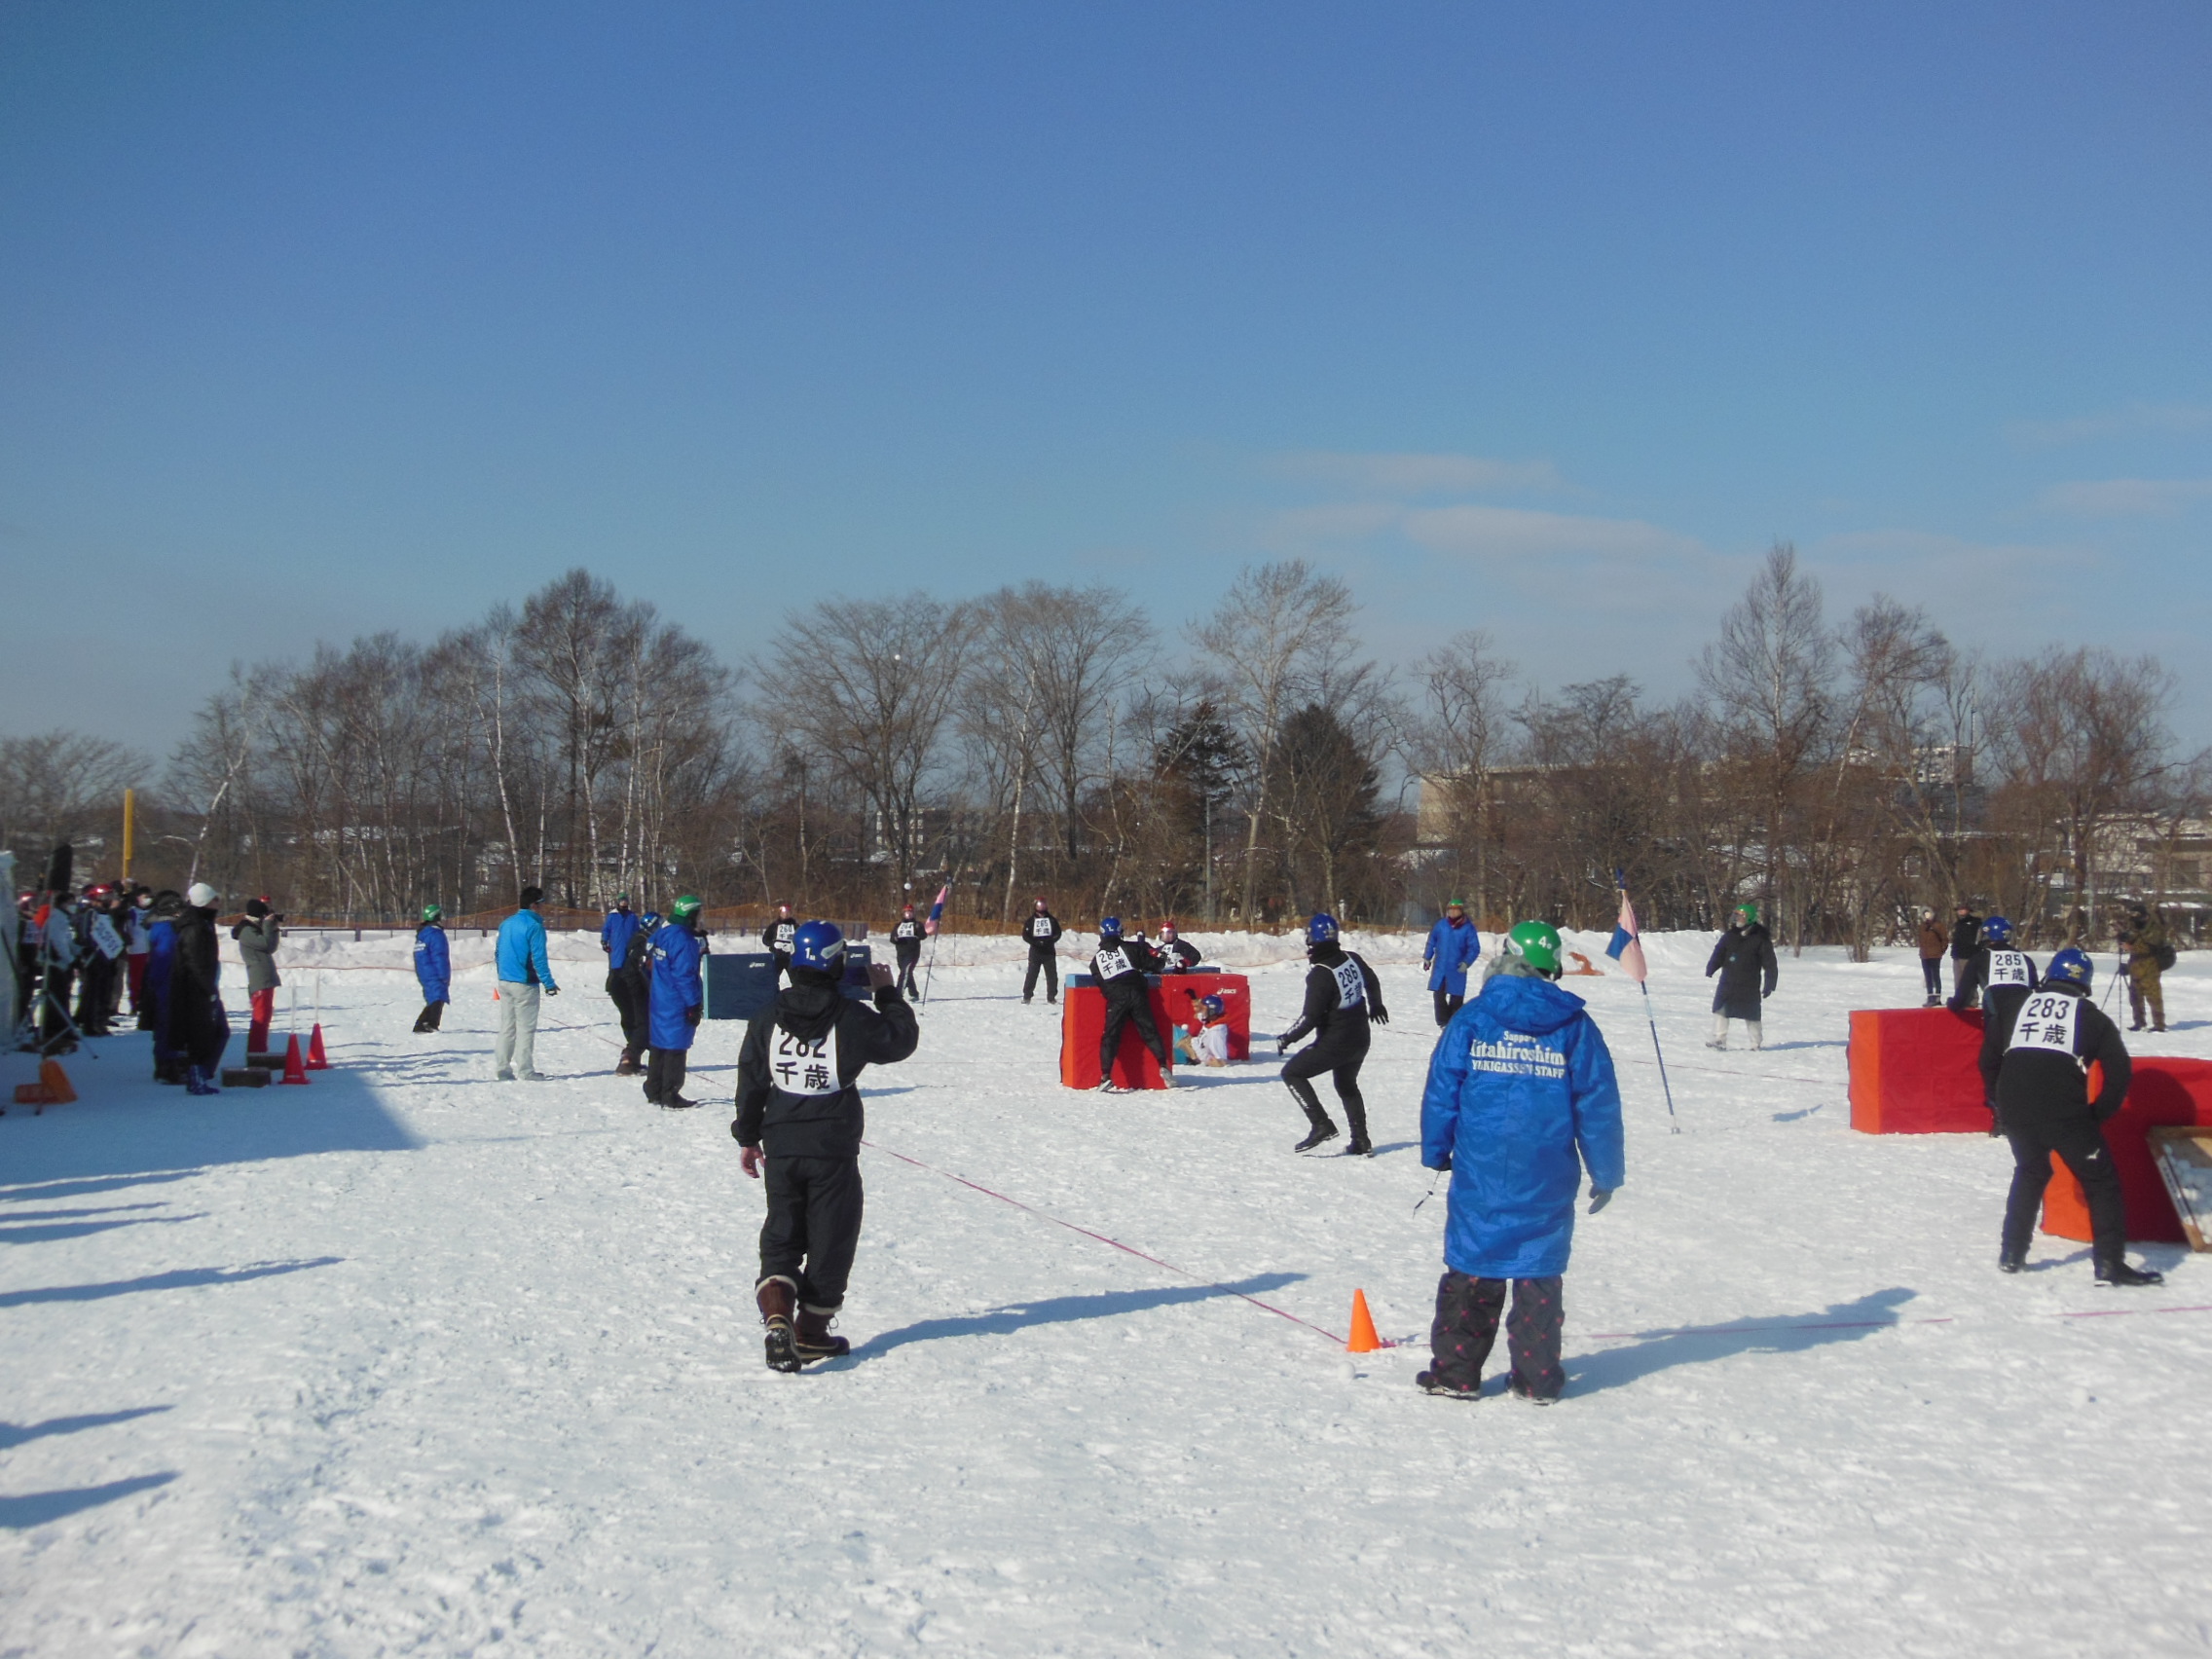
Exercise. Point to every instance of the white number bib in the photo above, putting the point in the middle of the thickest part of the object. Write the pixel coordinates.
(106, 939)
(802, 1067)
(2009, 968)
(1113, 964)
(1041, 927)
(2048, 1020)
(1352, 989)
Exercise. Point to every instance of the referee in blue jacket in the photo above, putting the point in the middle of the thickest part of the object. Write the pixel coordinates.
(1521, 1099)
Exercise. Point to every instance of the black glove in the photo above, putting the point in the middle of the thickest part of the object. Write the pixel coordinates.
(1600, 1197)
(691, 1015)
(1375, 1016)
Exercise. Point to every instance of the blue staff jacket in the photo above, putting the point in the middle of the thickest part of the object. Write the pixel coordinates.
(614, 936)
(676, 986)
(433, 963)
(1449, 952)
(1520, 1085)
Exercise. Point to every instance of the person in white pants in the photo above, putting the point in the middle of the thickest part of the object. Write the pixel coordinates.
(524, 970)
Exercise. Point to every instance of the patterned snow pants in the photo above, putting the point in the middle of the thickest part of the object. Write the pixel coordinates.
(1466, 1329)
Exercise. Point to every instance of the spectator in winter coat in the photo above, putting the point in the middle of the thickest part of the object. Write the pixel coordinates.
(97, 937)
(1743, 958)
(137, 926)
(433, 969)
(524, 970)
(1120, 965)
(1043, 932)
(57, 930)
(1453, 946)
(256, 933)
(199, 1030)
(2148, 956)
(1521, 1099)
(1934, 941)
(1342, 997)
(160, 972)
(907, 944)
(777, 937)
(678, 1001)
(2043, 1100)
(799, 1119)
(1965, 939)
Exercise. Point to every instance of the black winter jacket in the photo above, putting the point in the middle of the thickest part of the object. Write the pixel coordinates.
(1326, 1011)
(1992, 969)
(906, 939)
(2040, 1059)
(1042, 943)
(1119, 984)
(792, 1100)
(1966, 937)
(197, 1027)
(1743, 958)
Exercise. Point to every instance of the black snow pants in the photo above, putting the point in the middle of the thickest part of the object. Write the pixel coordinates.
(432, 1014)
(629, 999)
(1447, 1004)
(813, 1227)
(1341, 1054)
(1122, 1009)
(1048, 961)
(906, 961)
(665, 1073)
(1466, 1327)
(2078, 1139)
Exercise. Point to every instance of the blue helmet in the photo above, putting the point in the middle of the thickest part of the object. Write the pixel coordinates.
(818, 946)
(1996, 930)
(1322, 929)
(649, 923)
(1109, 927)
(1214, 1005)
(2069, 967)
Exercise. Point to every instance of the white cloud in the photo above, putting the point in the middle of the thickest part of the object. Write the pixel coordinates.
(1420, 474)
(2116, 422)
(2117, 497)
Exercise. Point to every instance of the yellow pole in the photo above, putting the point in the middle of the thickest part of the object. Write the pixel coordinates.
(129, 824)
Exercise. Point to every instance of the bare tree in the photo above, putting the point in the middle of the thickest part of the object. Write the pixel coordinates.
(1274, 638)
(1456, 732)
(61, 786)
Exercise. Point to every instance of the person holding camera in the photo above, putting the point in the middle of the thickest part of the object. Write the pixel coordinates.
(256, 933)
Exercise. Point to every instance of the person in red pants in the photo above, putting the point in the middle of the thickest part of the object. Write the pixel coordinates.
(256, 934)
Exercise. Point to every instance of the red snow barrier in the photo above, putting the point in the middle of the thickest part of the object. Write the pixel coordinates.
(1916, 1070)
(2160, 1091)
(1083, 1025)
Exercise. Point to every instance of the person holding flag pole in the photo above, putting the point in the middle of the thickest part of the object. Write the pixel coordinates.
(930, 928)
(1626, 947)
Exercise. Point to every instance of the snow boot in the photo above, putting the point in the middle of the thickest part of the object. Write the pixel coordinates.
(1324, 1130)
(2010, 1261)
(812, 1339)
(627, 1065)
(2118, 1273)
(677, 1103)
(779, 1301)
(1428, 1383)
(1520, 1391)
(197, 1082)
(1359, 1146)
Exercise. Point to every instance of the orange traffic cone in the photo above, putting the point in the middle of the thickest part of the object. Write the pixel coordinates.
(1363, 1337)
(295, 1069)
(56, 1081)
(318, 1060)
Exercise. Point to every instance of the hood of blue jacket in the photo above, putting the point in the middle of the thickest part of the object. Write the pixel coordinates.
(1533, 1006)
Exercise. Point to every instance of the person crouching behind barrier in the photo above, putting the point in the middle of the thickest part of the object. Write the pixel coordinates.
(799, 1119)
(1521, 1098)
(1204, 1042)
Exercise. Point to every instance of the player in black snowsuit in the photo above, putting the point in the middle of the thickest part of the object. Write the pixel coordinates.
(635, 1004)
(1177, 954)
(906, 936)
(1119, 968)
(1342, 997)
(799, 1119)
(776, 938)
(2038, 1064)
(1042, 932)
(2002, 977)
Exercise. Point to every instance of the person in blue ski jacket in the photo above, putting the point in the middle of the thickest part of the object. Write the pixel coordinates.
(624, 989)
(433, 968)
(614, 933)
(678, 998)
(525, 971)
(1521, 1098)
(161, 965)
(1453, 946)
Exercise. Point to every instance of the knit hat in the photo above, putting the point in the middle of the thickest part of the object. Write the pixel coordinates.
(200, 896)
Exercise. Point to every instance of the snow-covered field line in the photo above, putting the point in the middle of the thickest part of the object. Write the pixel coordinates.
(410, 1362)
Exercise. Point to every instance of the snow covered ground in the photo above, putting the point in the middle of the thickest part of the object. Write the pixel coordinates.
(412, 1362)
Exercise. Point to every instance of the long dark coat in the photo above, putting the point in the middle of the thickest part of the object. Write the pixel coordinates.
(1743, 958)
(198, 1027)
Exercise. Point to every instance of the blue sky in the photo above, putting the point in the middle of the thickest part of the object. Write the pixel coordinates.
(319, 319)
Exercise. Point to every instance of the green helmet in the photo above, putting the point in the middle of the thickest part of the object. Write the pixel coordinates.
(1454, 904)
(1537, 944)
(1749, 909)
(684, 908)
(432, 912)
